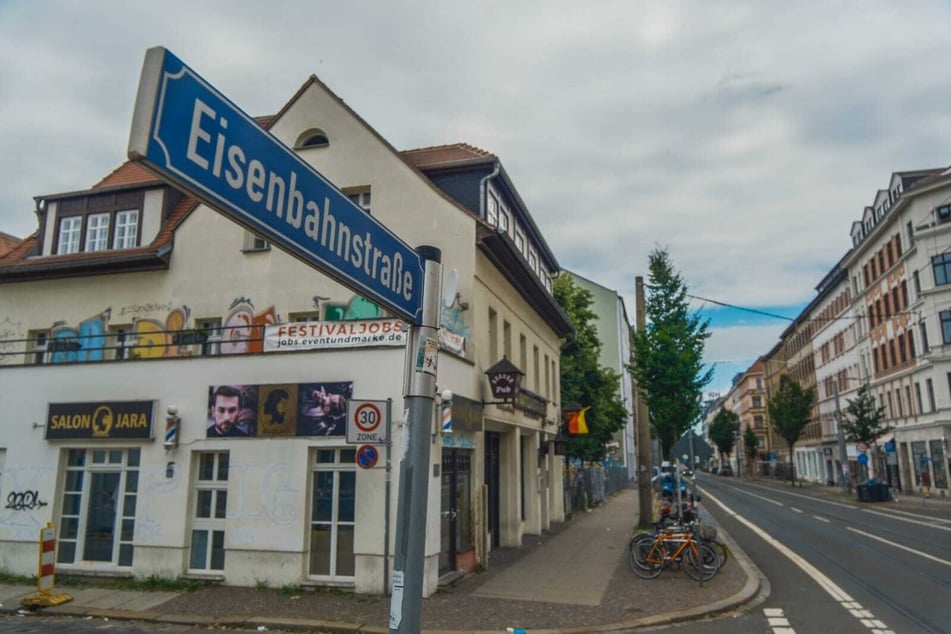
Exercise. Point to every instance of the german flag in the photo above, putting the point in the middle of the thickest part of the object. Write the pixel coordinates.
(577, 423)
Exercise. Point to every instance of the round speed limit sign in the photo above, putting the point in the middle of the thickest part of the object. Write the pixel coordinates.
(366, 422)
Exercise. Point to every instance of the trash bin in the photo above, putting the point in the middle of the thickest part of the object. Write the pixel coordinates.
(862, 491)
(883, 493)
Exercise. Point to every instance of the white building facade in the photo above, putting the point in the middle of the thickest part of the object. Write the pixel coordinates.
(133, 303)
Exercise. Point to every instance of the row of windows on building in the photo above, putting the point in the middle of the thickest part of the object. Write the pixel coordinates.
(498, 215)
(541, 371)
(99, 510)
(98, 232)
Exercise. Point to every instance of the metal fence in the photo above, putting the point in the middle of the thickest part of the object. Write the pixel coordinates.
(590, 485)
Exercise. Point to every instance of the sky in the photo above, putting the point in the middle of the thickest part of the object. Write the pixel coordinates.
(743, 137)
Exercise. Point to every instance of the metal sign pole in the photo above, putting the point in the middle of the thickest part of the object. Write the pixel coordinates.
(420, 390)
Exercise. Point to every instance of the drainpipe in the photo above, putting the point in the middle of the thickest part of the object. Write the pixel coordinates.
(484, 189)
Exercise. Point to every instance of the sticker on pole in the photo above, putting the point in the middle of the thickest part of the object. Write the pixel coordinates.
(367, 456)
(366, 422)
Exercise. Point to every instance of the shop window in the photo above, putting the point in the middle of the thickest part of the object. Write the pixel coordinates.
(333, 504)
(937, 460)
(97, 519)
(210, 511)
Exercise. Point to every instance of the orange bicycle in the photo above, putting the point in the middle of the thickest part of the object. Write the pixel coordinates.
(650, 556)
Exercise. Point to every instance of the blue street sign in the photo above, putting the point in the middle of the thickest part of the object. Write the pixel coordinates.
(187, 132)
(862, 459)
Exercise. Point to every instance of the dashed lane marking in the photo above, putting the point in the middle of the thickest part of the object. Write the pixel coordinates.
(903, 547)
(777, 621)
(795, 509)
(822, 519)
(830, 587)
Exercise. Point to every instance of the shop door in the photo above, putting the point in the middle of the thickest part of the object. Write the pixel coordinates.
(455, 510)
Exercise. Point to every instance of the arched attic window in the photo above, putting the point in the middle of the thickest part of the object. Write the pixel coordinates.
(314, 137)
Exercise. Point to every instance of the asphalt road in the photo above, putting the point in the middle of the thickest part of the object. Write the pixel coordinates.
(834, 567)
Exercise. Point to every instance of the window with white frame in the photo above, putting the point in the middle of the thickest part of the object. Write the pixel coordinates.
(121, 340)
(209, 336)
(520, 241)
(333, 506)
(359, 196)
(36, 348)
(533, 260)
(97, 519)
(492, 211)
(97, 232)
(505, 219)
(70, 232)
(255, 242)
(127, 229)
(210, 512)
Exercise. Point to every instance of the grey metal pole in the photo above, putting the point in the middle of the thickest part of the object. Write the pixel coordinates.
(840, 436)
(420, 393)
(644, 495)
(388, 488)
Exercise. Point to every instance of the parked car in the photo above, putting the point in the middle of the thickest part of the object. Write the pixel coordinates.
(726, 470)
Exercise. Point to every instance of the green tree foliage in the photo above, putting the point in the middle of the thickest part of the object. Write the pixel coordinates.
(789, 410)
(583, 380)
(751, 442)
(722, 429)
(668, 353)
(864, 421)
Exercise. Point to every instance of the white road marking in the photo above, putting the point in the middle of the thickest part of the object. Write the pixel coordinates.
(917, 516)
(806, 497)
(831, 588)
(776, 620)
(890, 543)
(759, 497)
(822, 519)
(930, 523)
(795, 509)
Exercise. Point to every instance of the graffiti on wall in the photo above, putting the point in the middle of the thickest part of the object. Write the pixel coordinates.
(243, 330)
(86, 342)
(24, 500)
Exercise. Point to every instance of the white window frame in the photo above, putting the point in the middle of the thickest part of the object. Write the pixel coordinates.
(211, 495)
(505, 219)
(70, 234)
(74, 515)
(341, 464)
(360, 196)
(520, 242)
(254, 242)
(97, 232)
(126, 232)
(492, 211)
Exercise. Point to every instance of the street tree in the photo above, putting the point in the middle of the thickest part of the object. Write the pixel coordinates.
(668, 353)
(789, 410)
(751, 442)
(864, 421)
(583, 380)
(723, 430)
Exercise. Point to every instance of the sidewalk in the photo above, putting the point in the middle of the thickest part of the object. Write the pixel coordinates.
(574, 578)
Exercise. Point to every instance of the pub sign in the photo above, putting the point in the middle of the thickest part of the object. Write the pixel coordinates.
(100, 420)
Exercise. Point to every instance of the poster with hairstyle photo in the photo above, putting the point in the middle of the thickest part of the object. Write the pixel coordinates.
(322, 408)
(232, 411)
(278, 415)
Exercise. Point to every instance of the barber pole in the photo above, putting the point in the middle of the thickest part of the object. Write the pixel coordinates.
(45, 578)
(446, 412)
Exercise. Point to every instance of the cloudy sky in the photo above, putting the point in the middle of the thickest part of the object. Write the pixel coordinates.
(744, 137)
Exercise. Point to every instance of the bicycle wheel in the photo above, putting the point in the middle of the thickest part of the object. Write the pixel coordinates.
(722, 551)
(646, 559)
(701, 562)
(635, 557)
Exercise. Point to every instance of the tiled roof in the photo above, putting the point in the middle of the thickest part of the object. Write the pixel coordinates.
(7, 243)
(443, 154)
(129, 173)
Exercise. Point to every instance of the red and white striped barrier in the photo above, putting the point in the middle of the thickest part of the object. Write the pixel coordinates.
(45, 578)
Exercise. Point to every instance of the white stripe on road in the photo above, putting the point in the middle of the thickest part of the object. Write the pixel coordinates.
(917, 516)
(795, 509)
(831, 588)
(777, 621)
(822, 519)
(758, 497)
(930, 523)
(911, 550)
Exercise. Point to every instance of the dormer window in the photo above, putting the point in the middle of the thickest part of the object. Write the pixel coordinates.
(69, 233)
(98, 232)
(313, 138)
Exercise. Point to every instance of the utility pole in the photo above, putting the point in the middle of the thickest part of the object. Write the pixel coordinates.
(645, 499)
(840, 436)
(419, 387)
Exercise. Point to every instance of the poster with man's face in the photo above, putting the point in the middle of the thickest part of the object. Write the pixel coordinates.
(278, 410)
(232, 411)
